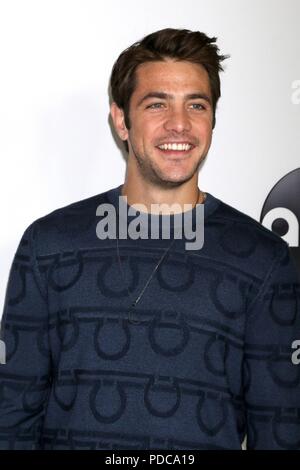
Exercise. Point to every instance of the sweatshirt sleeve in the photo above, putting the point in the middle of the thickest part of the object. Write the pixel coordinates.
(25, 377)
(271, 377)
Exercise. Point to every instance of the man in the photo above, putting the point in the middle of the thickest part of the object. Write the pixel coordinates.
(136, 342)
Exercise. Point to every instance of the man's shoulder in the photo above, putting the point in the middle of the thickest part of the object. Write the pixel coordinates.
(74, 210)
(243, 239)
(235, 220)
(66, 227)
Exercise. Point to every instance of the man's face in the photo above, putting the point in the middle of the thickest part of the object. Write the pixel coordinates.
(171, 121)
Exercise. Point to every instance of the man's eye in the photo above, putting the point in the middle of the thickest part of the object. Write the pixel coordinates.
(197, 106)
(155, 105)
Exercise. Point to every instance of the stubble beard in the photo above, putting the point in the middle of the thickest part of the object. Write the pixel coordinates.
(150, 173)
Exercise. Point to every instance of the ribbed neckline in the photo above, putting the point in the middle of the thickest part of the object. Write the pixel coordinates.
(210, 205)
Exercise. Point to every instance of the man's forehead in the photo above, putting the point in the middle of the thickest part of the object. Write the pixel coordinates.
(170, 76)
(170, 65)
(178, 73)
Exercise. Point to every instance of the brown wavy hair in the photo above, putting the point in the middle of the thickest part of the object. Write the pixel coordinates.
(178, 44)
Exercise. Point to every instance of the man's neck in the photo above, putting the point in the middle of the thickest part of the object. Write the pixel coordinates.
(148, 195)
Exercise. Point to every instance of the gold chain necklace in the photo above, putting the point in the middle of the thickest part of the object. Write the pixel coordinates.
(138, 298)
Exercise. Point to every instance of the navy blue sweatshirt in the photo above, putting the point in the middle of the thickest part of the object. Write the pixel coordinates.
(206, 361)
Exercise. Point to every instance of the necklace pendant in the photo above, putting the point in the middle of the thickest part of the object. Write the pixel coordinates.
(132, 320)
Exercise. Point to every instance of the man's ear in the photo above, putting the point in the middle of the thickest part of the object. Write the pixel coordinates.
(117, 115)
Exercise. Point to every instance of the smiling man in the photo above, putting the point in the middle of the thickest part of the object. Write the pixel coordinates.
(134, 342)
(171, 113)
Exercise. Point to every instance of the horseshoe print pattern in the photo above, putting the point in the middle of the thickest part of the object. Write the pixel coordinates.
(208, 361)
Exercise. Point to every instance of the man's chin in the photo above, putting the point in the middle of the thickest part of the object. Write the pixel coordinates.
(180, 175)
(173, 180)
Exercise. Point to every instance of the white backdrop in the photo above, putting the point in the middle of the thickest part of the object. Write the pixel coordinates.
(56, 145)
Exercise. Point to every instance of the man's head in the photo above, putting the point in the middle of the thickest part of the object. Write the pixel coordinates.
(165, 89)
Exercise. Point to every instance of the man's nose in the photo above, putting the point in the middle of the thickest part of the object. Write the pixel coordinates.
(177, 120)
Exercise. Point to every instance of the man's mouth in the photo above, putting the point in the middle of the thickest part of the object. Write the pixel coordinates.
(172, 147)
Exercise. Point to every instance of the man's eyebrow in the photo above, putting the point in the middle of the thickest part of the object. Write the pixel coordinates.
(163, 96)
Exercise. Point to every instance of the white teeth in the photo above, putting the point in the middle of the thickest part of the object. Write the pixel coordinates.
(174, 146)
